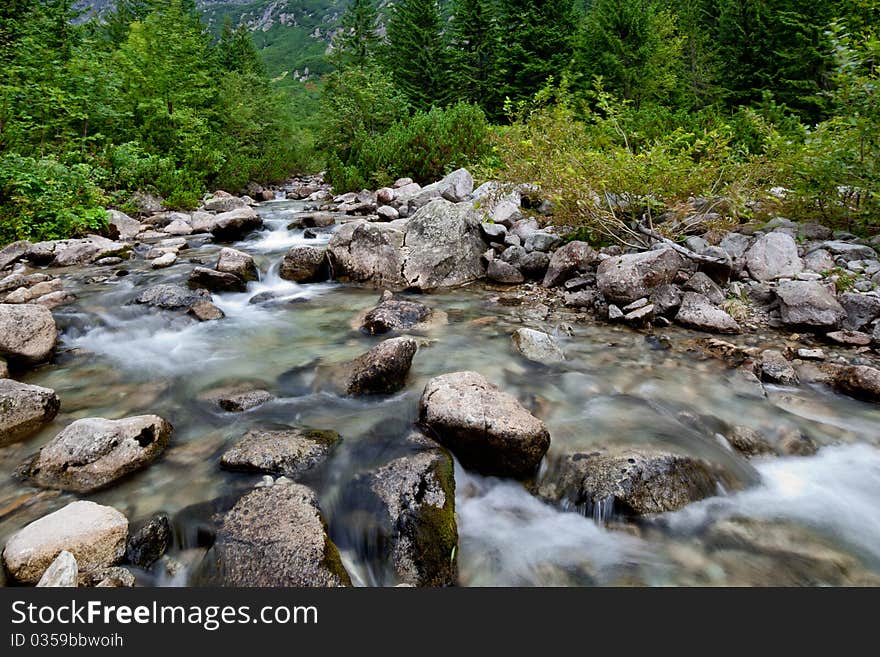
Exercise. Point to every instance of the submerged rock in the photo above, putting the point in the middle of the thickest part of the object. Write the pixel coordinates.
(775, 368)
(288, 452)
(24, 410)
(92, 453)
(95, 535)
(629, 481)
(488, 430)
(235, 225)
(171, 297)
(537, 347)
(27, 333)
(277, 537)
(205, 311)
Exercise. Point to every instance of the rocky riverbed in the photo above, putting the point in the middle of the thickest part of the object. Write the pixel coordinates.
(431, 386)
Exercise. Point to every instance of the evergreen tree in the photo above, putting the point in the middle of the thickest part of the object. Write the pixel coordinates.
(236, 50)
(538, 38)
(634, 47)
(473, 43)
(415, 53)
(358, 38)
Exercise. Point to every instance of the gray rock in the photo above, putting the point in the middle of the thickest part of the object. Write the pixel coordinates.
(276, 537)
(736, 245)
(500, 271)
(666, 300)
(244, 400)
(417, 501)
(697, 312)
(171, 297)
(380, 371)
(749, 442)
(580, 299)
(95, 535)
(456, 188)
(850, 338)
(164, 261)
(535, 264)
(305, 264)
(394, 314)
(178, 227)
(27, 333)
(639, 315)
(387, 213)
(514, 255)
(860, 381)
(775, 368)
(629, 481)
(524, 228)
(149, 542)
(443, 246)
(369, 254)
(814, 232)
(488, 430)
(12, 253)
(537, 347)
(704, 285)
(205, 311)
(614, 313)
(540, 241)
(24, 410)
(288, 452)
(4, 369)
(93, 453)
(773, 256)
(494, 232)
(215, 281)
(809, 304)
(235, 225)
(221, 201)
(88, 250)
(624, 279)
(861, 309)
(237, 263)
(62, 573)
(569, 261)
(850, 251)
(819, 261)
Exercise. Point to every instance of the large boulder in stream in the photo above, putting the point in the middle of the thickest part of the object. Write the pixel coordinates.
(237, 263)
(171, 297)
(628, 481)
(380, 371)
(440, 246)
(305, 264)
(284, 451)
(276, 537)
(396, 314)
(27, 333)
(234, 225)
(413, 498)
(215, 281)
(488, 430)
(24, 410)
(860, 381)
(86, 251)
(697, 312)
(93, 453)
(95, 535)
(628, 278)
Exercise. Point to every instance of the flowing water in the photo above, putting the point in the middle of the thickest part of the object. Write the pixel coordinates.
(816, 518)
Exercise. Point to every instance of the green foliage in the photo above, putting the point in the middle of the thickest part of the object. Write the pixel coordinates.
(424, 147)
(43, 199)
(358, 38)
(473, 45)
(415, 53)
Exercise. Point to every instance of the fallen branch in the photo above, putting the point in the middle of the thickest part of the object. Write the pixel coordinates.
(644, 230)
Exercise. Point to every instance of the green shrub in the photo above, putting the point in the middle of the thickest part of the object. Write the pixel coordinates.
(44, 199)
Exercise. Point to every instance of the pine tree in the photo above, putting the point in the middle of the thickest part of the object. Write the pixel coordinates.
(634, 47)
(473, 44)
(415, 53)
(537, 43)
(237, 52)
(358, 38)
